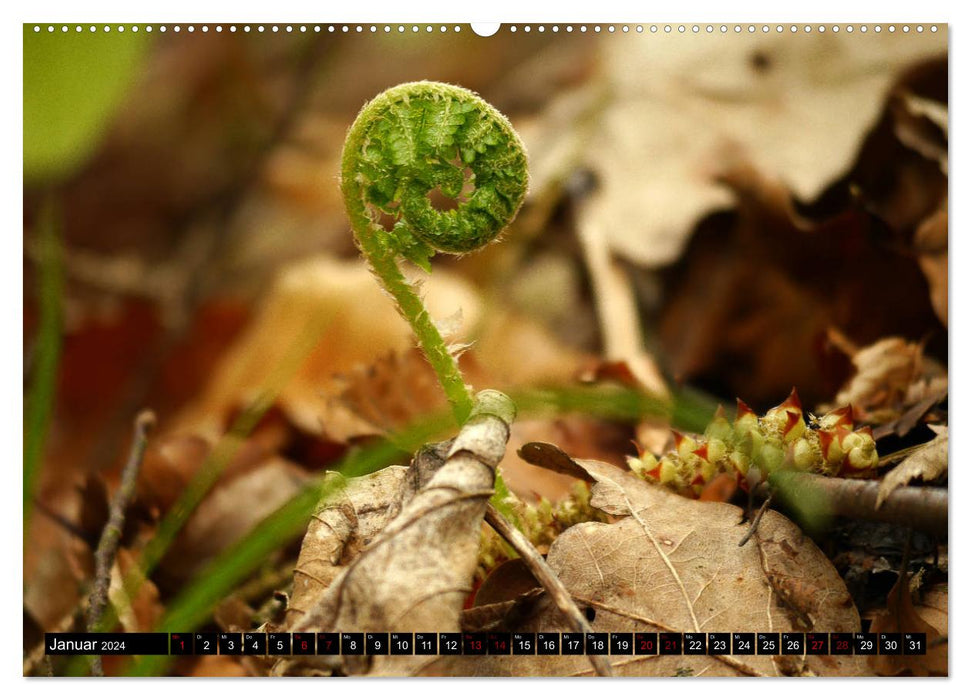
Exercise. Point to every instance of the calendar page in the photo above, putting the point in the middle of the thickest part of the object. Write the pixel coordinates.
(512, 350)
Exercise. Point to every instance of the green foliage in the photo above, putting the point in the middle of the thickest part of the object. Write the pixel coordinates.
(73, 82)
(408, 142)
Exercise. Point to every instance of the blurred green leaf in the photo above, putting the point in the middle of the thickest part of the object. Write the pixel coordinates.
(73, 82)
(805, 502)
(39, 401)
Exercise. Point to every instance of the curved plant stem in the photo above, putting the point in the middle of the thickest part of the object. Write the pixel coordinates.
(385, 266)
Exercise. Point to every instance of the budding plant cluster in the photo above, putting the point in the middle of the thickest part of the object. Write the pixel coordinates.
(751, 449)
(541, 522)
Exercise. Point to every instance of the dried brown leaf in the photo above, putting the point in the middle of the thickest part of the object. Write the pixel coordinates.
(416, 573)
(305, 334)
(353, 516)
(901, 616)
(891, 376)
(654, 137)
(674, 564)
(927, 463)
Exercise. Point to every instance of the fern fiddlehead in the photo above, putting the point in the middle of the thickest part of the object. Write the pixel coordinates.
(405, 144)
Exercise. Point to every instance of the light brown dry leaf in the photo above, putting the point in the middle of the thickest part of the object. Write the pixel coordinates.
(172, 460)
(797, 107)
(901, 616)
(674, 564)
(510, 352)
(576, 435)
(416, 574)
(927, 463)
(617, 312)
(342, 526)
(55, 584)
(891, 375)
(921, 124)
(932, 607)
(393, 392)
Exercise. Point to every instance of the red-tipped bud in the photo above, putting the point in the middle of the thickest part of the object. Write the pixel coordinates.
(719, 428)
(785, 420)
(792, 403)
(702, 452)
(837, 417)
(745, 420)
(684, 445)
(802, 455)
(861, 451)
(742, 409)
(678, 439)
(829, 445)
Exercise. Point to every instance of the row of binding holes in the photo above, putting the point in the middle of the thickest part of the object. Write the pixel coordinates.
(289, 28)
(723, 28)
(414, 28)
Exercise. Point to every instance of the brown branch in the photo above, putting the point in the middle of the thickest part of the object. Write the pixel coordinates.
(104, 555)
(548, 579)
(922, 508)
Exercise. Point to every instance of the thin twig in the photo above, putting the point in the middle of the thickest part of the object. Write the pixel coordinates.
(548, 579)
(35, 658)
(104, 555)
(756, 520)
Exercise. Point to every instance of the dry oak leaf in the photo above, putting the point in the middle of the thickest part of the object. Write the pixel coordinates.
(796, 107)
(892, 374)
(927, 463)
(901, 616)
(674, 564)
(353, 513)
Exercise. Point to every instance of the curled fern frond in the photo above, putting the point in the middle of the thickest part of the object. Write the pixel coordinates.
(419, 137)
(408, 145)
